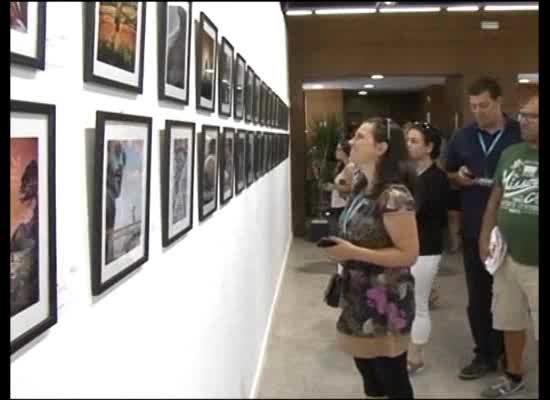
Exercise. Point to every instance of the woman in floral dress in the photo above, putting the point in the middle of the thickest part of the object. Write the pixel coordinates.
(378, 244)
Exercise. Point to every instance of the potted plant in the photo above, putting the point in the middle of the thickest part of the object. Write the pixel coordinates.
(323, 136)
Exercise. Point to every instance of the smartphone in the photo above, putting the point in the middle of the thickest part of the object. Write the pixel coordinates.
(326, 242)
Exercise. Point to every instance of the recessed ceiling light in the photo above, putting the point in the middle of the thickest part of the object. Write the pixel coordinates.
(524, 81)
(299, 12)
(409, 9)
(368, 86)
(462, 8)
(525, 7)
(333, 11)
(362, 92)
(377, 76)
(317, 86)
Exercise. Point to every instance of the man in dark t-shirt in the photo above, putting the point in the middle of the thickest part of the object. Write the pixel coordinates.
(472, 158)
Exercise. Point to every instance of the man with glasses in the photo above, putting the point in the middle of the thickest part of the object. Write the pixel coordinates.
(514, 208)
(472, 158)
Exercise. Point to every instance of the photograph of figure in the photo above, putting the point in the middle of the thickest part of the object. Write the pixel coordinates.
(250, 158)
(176, 46)
(18, 16)
(117, 34)
(240, 156)
(239, 87)
(123, 205)
(180, 197)
(249, 95)
(24, 233)
(226, 78)
(226, 163)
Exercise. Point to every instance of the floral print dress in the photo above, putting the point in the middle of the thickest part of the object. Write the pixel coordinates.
(377, 302)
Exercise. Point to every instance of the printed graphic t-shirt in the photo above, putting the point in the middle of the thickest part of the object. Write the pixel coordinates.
(518, 216)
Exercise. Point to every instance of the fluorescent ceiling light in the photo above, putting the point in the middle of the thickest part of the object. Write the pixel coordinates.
(524, 81)
(333, 11)
(410, 9)
(377, 77)
(526, 7)
(317, 86)
(299, 12)
(362, 93)
(368, 86)
(462, 8)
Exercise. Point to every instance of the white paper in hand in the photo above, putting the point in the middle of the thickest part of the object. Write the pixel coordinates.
(497, 251)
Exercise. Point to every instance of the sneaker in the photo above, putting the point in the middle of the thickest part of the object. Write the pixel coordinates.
(504, 387)
(415, 368)
(476, 369)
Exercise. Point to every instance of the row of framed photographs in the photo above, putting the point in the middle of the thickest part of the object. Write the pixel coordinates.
(114, 53)
(229, 159)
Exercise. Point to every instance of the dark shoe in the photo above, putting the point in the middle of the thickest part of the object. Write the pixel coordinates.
(504, 387)
(476, 369)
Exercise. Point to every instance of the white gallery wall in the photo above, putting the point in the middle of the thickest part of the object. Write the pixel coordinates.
(193, 320)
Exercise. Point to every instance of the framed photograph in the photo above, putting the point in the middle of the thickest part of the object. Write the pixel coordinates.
(265, 159)
(257, 98)
(33, 282)
(177, 180)
(268, 108)
(114, 44)
(225, 79)
(249, 158)
(208, 170)
(122, 181)
(257, 155)
(271, 108)
(239, 88)
(227, 154)
(240, 157)
(207, 50)
(174, 35)
(263, 113)
(249, 95)
(28, 33)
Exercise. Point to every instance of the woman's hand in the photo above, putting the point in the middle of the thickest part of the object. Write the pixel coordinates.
(342, 251)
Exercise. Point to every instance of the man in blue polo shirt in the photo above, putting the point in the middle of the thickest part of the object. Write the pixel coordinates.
(472, 158)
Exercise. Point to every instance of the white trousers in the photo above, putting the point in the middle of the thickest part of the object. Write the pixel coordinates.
(424, 272)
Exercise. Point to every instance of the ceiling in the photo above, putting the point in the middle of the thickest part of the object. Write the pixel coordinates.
(393, 83)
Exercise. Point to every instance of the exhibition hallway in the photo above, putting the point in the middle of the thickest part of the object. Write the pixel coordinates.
(302, 360)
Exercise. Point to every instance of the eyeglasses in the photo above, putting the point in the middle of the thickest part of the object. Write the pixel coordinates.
(527, 116)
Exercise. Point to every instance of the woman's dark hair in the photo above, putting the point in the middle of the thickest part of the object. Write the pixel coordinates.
(346, 148)
(430, 134)
(394, 165)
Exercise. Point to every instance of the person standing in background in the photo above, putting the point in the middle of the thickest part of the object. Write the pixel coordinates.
(472, 157)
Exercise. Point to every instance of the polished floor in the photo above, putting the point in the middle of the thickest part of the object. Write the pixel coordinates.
(302, 360)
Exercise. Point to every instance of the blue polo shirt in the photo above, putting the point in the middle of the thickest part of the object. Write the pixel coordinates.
(465, 149)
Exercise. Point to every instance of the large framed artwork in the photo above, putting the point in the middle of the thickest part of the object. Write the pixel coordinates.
(208, 170)
(249, 158)
(227, 150)
(240, 158)
(177, 180)
(225, 78)
(174, 34)
(33, 283)
(114, 44)
(239, 88)
(249, 95)
(121, 204)
(257, 98)
(28, 33)
(207, 50)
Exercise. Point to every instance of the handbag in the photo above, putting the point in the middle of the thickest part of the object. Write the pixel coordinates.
(333, 290)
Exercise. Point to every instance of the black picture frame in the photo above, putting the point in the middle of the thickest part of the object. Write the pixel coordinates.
(240, 161)
(27, 267)
(226, 78)
(173, 63)
(206, 63)
(118, 250)
(177, 180)
(110, 68)
(249, 158)
(263, 105)
(265, 159)
(239, 87)
(257, 155)
(20, 27)
(249, 94)
(227, 171)
(257, 98)
(208, 184)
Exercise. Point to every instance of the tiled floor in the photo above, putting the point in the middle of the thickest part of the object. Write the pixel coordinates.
(302, 360)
